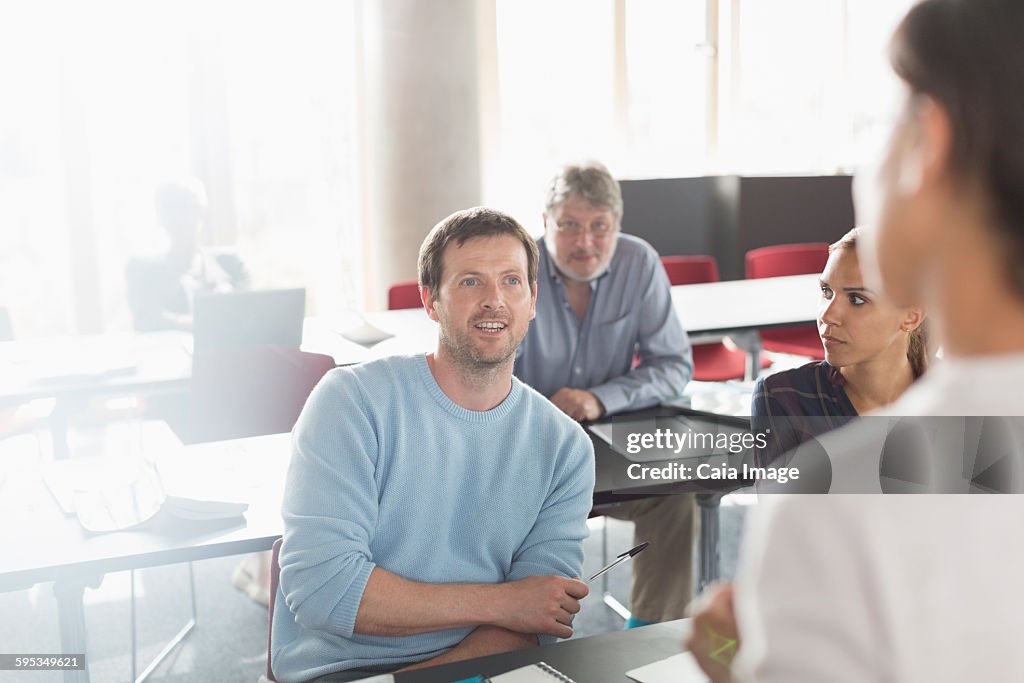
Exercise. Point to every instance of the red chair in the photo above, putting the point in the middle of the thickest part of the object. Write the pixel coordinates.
(714, 361)
(275, 578)
(405, 294)
(790, 259)
(239, 392)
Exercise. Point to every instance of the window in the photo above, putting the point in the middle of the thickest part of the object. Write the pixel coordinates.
(811, 90)
(667, 69)
(35, 282)
(800, 86)
(559, 100)
(291, 118)
(784, 112)
(255, 99)
(261, 101)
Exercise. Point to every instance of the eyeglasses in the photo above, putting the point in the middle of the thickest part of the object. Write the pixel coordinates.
(574, 229)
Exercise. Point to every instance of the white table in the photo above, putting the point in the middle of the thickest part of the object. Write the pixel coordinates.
(745, 306)
(75, 369)
(47, 546)
(116, 363)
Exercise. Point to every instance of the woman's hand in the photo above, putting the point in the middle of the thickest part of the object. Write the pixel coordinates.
(714, 640)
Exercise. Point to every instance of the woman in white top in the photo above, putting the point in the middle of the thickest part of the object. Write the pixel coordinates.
(917, 587)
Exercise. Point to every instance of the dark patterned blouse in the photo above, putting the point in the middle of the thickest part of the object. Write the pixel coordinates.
(796, 405)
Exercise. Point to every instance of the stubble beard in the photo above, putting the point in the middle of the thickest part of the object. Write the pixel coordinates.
(465, 356)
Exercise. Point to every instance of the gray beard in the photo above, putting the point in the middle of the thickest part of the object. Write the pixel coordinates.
(578, 278)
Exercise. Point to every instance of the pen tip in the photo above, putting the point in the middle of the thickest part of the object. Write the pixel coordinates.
(637, 549)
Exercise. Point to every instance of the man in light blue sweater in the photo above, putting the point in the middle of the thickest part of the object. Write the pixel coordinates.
(435, 506)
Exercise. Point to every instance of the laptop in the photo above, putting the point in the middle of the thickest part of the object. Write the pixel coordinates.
(268, 317)
(695, 435)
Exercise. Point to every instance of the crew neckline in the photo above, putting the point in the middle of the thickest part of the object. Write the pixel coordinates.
(477, 416)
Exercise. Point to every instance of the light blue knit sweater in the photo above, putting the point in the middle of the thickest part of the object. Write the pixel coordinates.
(387, 470)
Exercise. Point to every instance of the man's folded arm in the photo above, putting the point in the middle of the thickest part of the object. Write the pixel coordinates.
(484, 640)
(666, 358)
(394, 606)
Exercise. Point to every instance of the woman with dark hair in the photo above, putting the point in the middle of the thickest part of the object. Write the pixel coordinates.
(874, 350)
(915, 587)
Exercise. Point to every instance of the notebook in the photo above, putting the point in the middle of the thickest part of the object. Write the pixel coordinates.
(267, 317)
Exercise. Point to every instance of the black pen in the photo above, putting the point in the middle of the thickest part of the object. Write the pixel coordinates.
(619, 560)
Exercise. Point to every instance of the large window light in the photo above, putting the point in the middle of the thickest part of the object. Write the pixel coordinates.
(257, 100)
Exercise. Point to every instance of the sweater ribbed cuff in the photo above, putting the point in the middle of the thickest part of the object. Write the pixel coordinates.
(343, 618)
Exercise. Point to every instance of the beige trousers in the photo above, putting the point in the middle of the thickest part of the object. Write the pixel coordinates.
(663, 573)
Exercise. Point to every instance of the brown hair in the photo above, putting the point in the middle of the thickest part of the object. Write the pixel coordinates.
(918, 352)
(968, 55)
(465, 225)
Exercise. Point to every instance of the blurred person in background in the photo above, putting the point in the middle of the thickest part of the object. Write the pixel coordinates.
(161, 289)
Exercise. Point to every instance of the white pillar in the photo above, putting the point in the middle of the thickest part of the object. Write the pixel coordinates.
(421, 129)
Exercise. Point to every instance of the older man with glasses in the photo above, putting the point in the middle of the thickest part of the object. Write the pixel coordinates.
(604, 300)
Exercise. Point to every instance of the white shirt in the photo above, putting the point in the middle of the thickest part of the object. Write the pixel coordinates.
(890, 588)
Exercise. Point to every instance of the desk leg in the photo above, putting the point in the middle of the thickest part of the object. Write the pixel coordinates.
(71, 614)
(754, 358)
(709, 534)
(59, 429)
(750, 342)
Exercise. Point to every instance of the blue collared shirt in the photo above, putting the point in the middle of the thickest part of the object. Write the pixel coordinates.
(630, 311)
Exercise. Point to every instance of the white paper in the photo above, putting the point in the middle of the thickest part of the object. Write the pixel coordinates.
(680, 668)
(366, 334)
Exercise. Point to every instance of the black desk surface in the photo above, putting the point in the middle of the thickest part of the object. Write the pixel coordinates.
(596, 659)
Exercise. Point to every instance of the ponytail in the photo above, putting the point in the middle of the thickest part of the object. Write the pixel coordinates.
(918, 352)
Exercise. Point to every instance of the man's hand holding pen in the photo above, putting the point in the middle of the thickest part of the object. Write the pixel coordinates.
(543, 605)
(546, 605)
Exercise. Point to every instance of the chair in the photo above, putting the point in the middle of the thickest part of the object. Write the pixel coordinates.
(790, 259)
(713, 361)
(249, 391)
(241, 392)
(235, 393)
(405, 294)
(275, 578)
